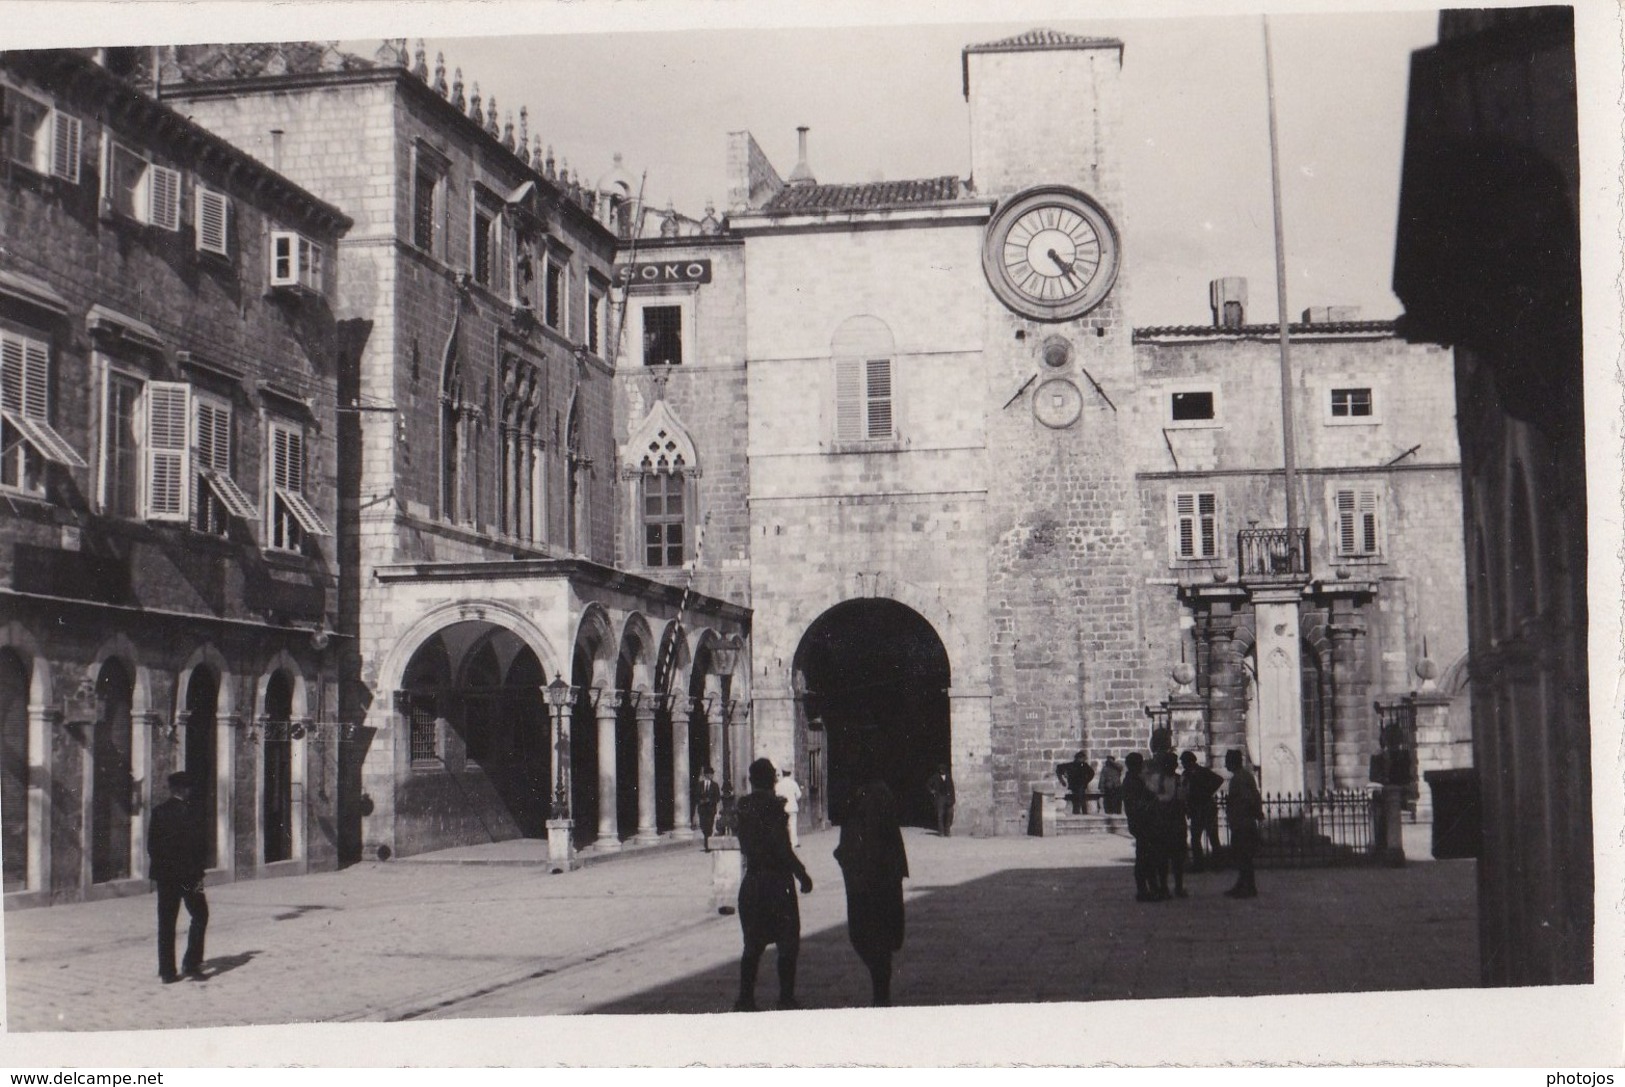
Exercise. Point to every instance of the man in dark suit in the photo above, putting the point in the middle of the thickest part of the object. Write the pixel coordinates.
(706, 798)
(177, 852)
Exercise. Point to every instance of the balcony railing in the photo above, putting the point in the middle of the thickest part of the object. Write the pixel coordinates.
(1272, 552)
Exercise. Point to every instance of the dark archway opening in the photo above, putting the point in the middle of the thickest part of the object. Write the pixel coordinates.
(112, 782)
(626, 756)
(876, 677)
(276, 812)
(583, 751)
(202, 699)
(14, 679)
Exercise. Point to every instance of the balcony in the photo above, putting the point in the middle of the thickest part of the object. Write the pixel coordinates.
(1264, 553)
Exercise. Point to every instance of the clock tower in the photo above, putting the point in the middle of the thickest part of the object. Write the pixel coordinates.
(1069, 658)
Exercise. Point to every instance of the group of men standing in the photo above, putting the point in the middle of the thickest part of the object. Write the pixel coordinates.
(1165, 798)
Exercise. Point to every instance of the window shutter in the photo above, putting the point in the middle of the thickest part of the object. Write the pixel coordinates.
(1184, 527)
(12, 374)
(168, 451)
(287, 460)
(212, 210)
(213, 436)
(1207, 508)
(1368, 522)
(878, 401)
(1345, 523)
(848, 401)
(164, 197)
(67, 137)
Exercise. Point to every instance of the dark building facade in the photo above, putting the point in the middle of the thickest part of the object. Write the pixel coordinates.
(168, 492)
(1488, 259)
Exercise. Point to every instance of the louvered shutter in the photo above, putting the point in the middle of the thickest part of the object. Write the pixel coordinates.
(1206, 510)
(164, 197)
(67, 137)
(12, 373)
(168, 452)
(848, 401)
(877, 407)
(1346, 506)
(212, 209)
(287, 459)
(213, 436)
(1368, 522)
(1185, 518)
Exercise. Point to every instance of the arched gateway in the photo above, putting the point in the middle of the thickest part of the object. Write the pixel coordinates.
(873, 676)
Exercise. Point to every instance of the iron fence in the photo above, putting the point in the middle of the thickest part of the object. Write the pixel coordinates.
(1313, 830)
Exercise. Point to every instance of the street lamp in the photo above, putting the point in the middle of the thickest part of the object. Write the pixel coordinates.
(723, 659)
(559, 695)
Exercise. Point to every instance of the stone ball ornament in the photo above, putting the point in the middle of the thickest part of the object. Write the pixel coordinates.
(1051, 253)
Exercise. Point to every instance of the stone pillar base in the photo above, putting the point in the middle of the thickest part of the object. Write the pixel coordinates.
(646, 836)
(1390, 828)
(561, 849)
(1041, 817)
(606, 845)
(727, 868)
(683, 834)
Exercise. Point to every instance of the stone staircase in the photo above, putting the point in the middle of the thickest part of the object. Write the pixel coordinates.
(1050, 816)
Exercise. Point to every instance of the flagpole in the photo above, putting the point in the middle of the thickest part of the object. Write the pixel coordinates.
(1287, 442)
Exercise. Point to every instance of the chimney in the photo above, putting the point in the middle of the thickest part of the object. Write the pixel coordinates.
(802, 174)
(1228, 297)
(1330, 315)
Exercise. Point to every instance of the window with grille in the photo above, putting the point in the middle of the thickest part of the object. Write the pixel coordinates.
(1358, 526)
(553, 305)
(425, 208)
(662, 335)
(292, 518)
(142, 190)
(863, 400)
(27, 439)
(1351, 404)
(423, 729)
(1196, 525)
(41, 137)
(488, 260)
(663, 519)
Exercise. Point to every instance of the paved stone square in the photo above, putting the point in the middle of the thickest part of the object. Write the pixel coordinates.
(1000, 920)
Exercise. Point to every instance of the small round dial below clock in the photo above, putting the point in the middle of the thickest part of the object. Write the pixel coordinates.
(1057, 403)
(1051, 253)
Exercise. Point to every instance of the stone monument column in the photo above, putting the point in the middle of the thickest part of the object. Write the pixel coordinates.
(1280, 688)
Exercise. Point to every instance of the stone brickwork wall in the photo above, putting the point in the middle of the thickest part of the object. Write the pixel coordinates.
(81, 587)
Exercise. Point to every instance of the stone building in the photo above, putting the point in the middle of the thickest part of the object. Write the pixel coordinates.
(479, 455)
(1488, 260)
(986, 516)
(168, 471)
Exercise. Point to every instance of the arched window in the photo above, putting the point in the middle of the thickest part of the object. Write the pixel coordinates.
(661, 457)
(520, 511)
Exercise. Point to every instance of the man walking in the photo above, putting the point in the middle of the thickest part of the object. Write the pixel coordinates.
(1244, 807)
(706, 798)
(176, 852)
(768, 911)
(790, 789)
(941, 788)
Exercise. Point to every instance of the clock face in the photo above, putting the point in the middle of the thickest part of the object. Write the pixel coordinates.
(1051, 254)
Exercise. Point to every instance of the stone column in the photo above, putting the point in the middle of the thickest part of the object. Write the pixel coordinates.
(1353, 720)
(1280, 688)
(647, 828)
(1227, 717)
(609, 837)
(1434, 750)
(680, 821)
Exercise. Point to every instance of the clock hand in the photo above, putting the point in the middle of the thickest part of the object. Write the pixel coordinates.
(1064, 266)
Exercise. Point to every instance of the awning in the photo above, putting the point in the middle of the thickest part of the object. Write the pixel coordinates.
(231, 495)
(38, 433)
(303, 512)
(35, 292)
(102, 319)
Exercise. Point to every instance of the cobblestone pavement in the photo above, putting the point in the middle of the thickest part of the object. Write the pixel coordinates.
(989, 920)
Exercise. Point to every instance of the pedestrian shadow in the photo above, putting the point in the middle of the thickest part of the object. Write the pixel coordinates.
(1056, 934)
(226, 963)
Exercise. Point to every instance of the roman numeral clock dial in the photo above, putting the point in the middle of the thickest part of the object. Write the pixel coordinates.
(1051, 253)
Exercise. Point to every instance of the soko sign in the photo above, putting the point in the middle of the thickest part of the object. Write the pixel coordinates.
(663, 272)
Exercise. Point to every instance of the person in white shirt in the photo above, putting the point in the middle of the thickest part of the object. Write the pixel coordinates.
(791, 792)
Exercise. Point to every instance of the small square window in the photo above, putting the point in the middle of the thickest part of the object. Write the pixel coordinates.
(1351, 403)
(1191, 407)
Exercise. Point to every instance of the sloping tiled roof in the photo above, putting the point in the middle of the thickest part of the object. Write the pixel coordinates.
(865, 197)
(1339, 328)
(1035, 39)
(243, 60)
(1041, 38)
